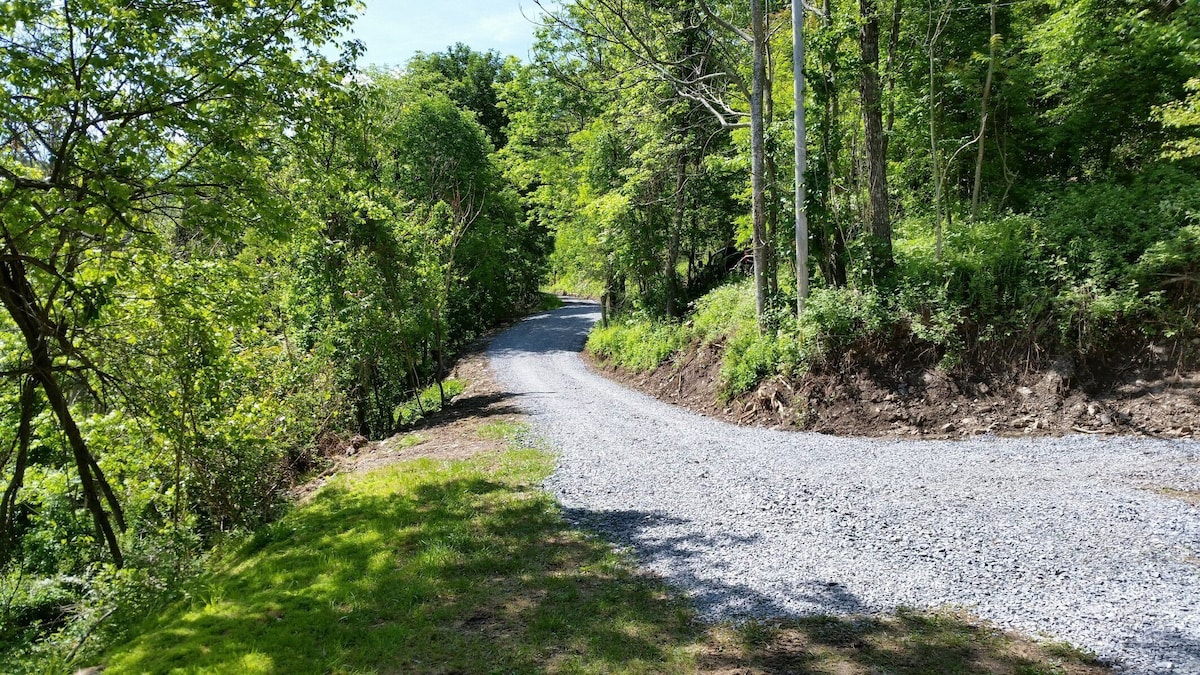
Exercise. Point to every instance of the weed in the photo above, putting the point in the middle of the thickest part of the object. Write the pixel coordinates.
(428, 401)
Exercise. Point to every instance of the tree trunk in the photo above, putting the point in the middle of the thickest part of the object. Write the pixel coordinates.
(24, 438)
(18, 297)
(673, 237)
(893, 50)
(773, 254)
(801, 143)
(833, 232)
(772, 174)
(876, 152)
(758, 160)
(983, 115)
(934, 155)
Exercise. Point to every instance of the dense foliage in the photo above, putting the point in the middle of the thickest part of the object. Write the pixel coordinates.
(220, 252)
(1040, 178)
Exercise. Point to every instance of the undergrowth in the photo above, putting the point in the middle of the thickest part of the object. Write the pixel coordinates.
(428, 401)
(1011, 284)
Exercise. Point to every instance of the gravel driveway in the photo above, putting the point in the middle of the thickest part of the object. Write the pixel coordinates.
(1071, 538)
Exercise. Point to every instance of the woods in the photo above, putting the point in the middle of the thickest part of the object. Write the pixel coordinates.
(226, 252)
(984, 180)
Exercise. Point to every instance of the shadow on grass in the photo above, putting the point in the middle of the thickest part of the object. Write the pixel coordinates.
(904, 642)
(466, 567)
(416, 569)
(478, 406)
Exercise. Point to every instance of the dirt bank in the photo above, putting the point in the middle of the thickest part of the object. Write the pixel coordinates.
(896, 394)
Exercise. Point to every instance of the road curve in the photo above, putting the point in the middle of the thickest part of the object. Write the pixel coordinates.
(1073, 537)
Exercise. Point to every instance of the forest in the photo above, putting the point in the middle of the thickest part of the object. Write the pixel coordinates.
(226, 254)
(987, 186)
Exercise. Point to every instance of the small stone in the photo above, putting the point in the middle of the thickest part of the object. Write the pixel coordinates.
(983, 388)
(948, 427)
(1025, 391)
(1105, 418)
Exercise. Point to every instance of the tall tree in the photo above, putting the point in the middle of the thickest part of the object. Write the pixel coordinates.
(122, 116)
(875, 144)
(472, 80)
(801, 149)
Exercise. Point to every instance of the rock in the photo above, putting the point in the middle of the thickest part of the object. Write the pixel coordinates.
(948, 427)
(1025, 392)
(983, 388)
(1105, 418)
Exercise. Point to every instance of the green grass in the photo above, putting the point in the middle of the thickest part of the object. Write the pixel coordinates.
(637, 344)
(423, 567)
(406, 441)
(503, 430)
(548, 301)
(428, 401)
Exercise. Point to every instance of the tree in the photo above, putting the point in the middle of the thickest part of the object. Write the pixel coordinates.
(707, 76)
(120, 117)
(801, 148)
(876, 146)
(472, 80)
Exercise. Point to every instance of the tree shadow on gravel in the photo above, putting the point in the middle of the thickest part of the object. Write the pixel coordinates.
(640, 532)
(1185, 650)
(848, 639)
(563, 330)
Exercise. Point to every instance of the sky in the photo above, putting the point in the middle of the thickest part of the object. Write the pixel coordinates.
(393, 30)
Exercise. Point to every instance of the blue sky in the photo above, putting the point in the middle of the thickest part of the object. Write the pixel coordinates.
(393, 30)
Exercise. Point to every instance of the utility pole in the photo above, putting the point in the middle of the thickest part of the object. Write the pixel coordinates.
(801, 156)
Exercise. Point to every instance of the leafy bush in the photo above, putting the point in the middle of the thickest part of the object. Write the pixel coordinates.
(637, 343)
(428, 401)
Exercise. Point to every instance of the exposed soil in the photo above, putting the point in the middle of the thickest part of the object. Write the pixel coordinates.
(890, 393)
(453, 432)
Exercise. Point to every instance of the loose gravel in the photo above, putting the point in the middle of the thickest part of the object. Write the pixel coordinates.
(1071, 538)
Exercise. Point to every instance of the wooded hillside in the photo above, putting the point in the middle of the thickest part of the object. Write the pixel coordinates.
(222, 256)
(986, 183)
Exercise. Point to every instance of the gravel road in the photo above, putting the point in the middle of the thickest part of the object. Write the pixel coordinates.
(1072, 538)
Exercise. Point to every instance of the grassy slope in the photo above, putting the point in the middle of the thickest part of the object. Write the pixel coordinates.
(466, 566)
(425, 566)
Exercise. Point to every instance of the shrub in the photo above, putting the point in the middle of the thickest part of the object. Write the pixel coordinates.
(637, 343)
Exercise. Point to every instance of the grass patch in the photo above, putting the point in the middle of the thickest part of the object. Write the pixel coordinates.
(503, 430)
(548, 301)
(1190, 496)
(405, 442)
(422, 567)
(428, 401)
(637, 344)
